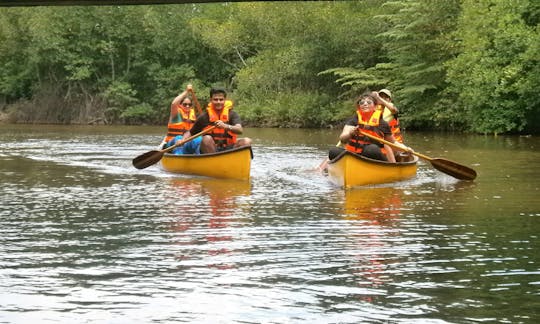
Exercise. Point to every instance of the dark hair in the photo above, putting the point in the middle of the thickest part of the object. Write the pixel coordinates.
(215, 90)
(366, 94)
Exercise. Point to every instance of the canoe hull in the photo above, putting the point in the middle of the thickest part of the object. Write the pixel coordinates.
(351, 170)
(230, 164)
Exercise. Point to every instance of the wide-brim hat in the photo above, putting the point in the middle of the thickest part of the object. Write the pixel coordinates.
(386, 92)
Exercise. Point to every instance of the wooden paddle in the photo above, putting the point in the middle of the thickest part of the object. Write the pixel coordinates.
(152, 157)
(452, 168)
(197, 105)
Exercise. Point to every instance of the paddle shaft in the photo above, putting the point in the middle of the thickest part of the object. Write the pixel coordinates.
(449, 167)
(189, 139)
(152, 157)
(382, 140)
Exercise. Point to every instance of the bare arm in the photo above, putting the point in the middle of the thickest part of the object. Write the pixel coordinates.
(389, 152)
(401, 146)
(236, 128)
(175, 104)
(347, 133)
(386, 103)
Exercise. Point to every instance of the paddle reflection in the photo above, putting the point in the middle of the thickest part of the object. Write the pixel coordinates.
(214, 208)
(378, 210)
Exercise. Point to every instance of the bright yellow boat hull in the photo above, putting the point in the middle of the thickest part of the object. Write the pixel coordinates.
(230, 164)
(351, 170)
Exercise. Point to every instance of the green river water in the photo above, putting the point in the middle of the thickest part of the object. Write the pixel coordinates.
(85, 237)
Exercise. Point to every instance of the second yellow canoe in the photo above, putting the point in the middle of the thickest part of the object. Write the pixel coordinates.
(351, 170)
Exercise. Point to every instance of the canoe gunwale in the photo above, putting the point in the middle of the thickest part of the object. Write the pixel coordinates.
(229, 164)
(369, 160)
(349, 170)
(199, 156)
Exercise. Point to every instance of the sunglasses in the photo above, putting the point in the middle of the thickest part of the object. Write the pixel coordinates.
(364, 101)
(186, 104)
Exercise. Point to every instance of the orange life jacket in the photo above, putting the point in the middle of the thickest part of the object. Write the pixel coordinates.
(179, 128)
(393, 121)
(396, 131)
(222, 137)
(358, 141)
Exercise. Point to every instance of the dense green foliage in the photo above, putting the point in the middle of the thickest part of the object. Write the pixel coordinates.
(467, 65)
(496, 72)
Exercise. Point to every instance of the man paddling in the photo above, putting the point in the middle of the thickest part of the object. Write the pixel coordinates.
(219, 113)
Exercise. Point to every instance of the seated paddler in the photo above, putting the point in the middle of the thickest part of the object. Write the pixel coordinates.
(228, 126)
(367, 119)
(181, 119)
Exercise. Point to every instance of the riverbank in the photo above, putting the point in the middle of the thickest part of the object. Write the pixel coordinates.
(4, 118)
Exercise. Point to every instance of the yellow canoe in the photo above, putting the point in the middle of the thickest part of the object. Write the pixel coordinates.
(230, 164)
(351, 170)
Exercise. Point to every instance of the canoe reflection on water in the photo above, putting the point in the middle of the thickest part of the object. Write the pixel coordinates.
(379, 206)
(206, 214)
(374, 214)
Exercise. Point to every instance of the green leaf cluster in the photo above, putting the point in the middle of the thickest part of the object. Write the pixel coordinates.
(465, 65)
(496, 73)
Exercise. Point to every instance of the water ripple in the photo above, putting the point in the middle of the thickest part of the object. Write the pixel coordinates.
(86, 237)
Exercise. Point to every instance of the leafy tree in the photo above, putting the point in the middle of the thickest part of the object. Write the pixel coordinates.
(496, 73)
(416, 42)
(282, 57)
(17, 74)
(466, 65)
(120, 97)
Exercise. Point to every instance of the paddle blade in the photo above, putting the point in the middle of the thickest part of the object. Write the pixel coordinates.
(147, 159)
(454, 169)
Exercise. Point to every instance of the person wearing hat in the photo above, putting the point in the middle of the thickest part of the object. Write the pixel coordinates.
(367, 120)
(390, 112)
